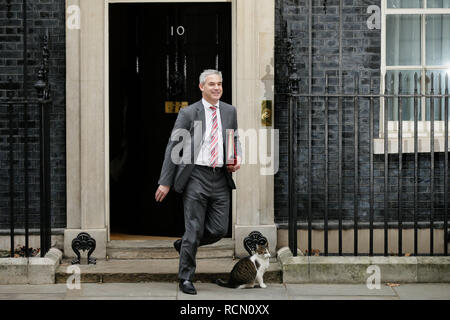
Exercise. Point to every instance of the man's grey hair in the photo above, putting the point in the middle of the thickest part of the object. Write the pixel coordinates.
(207, 73)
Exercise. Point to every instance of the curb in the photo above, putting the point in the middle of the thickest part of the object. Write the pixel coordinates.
(316, 269)
(129, 276)
(33, 270)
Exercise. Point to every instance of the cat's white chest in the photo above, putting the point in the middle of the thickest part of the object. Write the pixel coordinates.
(260, 264)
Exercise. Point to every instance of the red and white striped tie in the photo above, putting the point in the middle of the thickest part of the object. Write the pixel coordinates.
(213, 146)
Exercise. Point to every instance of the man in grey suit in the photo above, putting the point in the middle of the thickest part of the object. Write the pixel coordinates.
(203, 176)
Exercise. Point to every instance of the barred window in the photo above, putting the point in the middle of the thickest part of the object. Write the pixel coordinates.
(416, 41)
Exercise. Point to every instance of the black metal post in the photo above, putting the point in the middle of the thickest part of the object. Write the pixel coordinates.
(356, 166)
(341, 85)
(309, 176)
(386, 168)
(400, 164)
(325, 239)
(416, 162)
(43, 88)
(432, 166)
(371, 212)
(25, 120)
(11, 174)
(45, 178)
(340, 178)
(292, 150)
(446, 169)
(310, 129)
(292, 205)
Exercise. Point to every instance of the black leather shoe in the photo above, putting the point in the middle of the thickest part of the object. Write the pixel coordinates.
(187, 287)
(177, 245)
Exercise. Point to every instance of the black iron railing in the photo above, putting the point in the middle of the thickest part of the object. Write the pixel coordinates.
(382, 113)
(20, 138)
(354, 132)
(19, 199)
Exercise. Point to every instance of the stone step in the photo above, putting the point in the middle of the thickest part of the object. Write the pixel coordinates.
(163, 249)
(161, 270)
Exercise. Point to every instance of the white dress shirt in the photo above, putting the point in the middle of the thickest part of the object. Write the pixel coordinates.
(205, 153)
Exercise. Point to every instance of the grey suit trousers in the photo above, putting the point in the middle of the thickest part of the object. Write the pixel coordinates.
(206, 201)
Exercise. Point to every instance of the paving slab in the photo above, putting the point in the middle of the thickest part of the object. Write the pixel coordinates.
(424, 291)
(126, 290)
(33, 289)
(210, 291)
(32, 296)
(344, 298)
(120, 298)
(316, 290)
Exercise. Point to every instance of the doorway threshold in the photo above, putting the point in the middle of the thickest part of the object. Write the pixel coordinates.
(123, 236)
(163, 249)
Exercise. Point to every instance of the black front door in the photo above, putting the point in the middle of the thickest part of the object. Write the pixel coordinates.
(157, 52)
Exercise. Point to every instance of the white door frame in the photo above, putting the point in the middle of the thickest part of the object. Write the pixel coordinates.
(87, 110)
(107, 2)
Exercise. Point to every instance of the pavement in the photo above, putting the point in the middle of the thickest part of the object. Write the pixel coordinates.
(155, 270)
(209, 291)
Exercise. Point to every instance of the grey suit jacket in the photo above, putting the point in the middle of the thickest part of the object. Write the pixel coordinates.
(191, 118)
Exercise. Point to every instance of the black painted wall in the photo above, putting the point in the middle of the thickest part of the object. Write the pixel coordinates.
(43, 16)
(361, 49)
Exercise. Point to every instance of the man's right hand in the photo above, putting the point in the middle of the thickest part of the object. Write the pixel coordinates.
(161, 193)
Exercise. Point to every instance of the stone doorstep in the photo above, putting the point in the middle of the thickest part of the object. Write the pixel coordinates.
(34, 270)
(158, 270)
(163, 249)
(312, 269)
(225, 243)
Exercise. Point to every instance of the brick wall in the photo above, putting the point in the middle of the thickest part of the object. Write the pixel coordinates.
(361, 49)
(43, 16)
